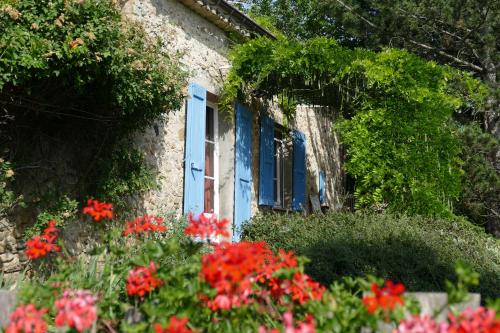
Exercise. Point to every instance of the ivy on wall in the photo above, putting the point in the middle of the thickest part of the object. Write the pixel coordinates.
(402, 147)
(75, 72)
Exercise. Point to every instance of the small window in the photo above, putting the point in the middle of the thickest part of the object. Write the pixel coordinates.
(282, 169)
(211, 162)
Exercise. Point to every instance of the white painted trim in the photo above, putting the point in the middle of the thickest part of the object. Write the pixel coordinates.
(216, 157)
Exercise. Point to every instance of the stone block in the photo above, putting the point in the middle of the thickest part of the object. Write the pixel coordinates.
(12, 266)
(7, 257)
(429, 304)
(7, 305)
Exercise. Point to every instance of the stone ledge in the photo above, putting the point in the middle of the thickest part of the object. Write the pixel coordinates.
(7, 305)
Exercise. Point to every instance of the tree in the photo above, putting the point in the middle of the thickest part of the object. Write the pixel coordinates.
(463, 34)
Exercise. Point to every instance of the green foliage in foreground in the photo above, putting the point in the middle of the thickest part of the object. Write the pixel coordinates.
(417, 251)
(188, 270)
(401, 146)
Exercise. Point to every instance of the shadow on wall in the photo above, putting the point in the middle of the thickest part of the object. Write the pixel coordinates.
(325, 153)
(180, 29)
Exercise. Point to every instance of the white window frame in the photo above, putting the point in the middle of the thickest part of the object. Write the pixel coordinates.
(282, 144)
(216, 157)
(278, 203)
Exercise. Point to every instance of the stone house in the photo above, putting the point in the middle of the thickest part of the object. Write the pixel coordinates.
(231, 165)
(234, 165)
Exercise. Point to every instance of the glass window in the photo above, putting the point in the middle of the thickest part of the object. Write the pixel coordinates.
(283, 169)
(210, 172)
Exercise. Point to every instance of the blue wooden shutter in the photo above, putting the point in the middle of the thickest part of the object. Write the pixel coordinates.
(243, 169)
(266, 156)
(321, 186)
(299, 171)
(194, 162)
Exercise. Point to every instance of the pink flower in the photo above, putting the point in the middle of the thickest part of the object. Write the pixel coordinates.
(307, 326)
(76, 308)
(27, 319)
(480, 320)
(418, 324)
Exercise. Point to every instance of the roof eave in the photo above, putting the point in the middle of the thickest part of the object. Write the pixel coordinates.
(227, 17)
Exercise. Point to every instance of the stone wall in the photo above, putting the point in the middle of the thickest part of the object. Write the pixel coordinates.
(203, 49)
(12, 257)
(323, 152)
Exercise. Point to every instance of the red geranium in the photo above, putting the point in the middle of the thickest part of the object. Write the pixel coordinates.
(303, 289)
(77, 309)
(98, 210)
(176, 325)
(144, 224)
(142, 280)
(27, 319)
(235, 269)
(231, 270)
(207, 226)
(386, 298)
(39, 246)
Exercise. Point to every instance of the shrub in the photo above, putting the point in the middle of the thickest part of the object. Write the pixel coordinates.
(420, 252)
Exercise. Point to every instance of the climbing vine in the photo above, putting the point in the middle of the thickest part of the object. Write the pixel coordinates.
(402, 147)
(76, 73)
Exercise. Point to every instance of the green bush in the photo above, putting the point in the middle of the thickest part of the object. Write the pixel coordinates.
(420, 252)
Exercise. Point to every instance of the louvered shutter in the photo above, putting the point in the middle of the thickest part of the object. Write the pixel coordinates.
(299, 171)
(194, 162)
(243, 169)
(266, 156)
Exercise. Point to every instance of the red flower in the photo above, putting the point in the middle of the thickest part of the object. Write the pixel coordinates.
(231, 270)
(39, 246)
(27, 319)
(176, 325)
(243, 272)
(303, 289)
(386, 298)
(98, 210)
(207, 226)
(77, 309)
(145, 224)
(142, 280)
(480, 320)
(50, 233)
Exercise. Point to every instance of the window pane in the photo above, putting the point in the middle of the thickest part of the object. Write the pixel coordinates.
(209, 195)
(287, 177)
(209, 159)
(209, 134)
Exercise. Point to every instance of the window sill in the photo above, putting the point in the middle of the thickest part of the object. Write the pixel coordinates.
(276, 209)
